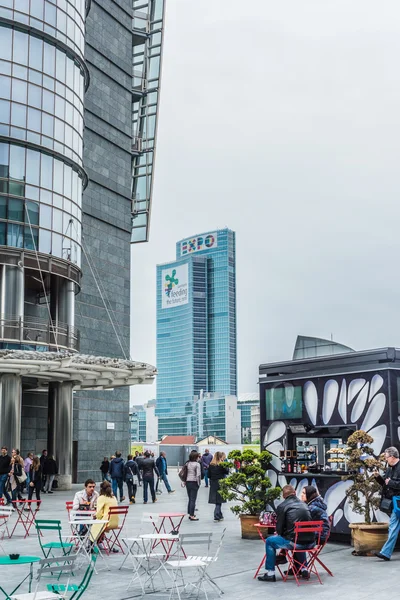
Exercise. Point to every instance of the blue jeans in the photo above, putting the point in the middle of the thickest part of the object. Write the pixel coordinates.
(277, 542)
(206, 477)
(165, 480)
(394, 528)
(146, 484)
(118, 484)
(3, 481)
(105, 477)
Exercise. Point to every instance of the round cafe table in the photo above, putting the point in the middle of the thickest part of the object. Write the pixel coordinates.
(6, 561)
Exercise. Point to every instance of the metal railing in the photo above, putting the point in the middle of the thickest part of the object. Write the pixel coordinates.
(38, 332)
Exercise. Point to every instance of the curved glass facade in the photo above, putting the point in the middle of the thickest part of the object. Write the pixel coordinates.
(41, 94)
(62, 19)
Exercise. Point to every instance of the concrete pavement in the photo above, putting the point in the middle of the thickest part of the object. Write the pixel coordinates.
(354, 577)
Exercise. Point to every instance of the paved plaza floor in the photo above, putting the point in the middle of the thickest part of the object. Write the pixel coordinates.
(354, 578)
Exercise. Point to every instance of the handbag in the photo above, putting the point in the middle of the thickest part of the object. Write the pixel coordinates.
(21, 478)
(267, 518)
(183, 473)
(386, 505)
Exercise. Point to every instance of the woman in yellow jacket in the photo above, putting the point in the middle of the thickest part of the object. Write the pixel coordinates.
(104, 502)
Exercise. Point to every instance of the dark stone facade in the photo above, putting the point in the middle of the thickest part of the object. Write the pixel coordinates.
(106, 228)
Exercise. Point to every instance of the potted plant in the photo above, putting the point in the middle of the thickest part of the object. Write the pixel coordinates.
(249, 487)
(364, 494)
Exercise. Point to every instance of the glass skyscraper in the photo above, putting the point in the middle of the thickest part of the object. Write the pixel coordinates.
(196, 327)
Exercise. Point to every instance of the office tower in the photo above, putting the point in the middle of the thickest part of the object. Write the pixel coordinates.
(79, 88)
(196, 327)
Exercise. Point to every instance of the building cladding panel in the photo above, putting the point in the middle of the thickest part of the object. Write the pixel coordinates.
(106, 211)
(196, 342)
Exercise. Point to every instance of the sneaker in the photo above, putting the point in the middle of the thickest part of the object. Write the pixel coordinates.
(50, 492)
(133, 501)
(216, 520)
(144, 502)
(171, 492)
(123, 498)
(115, 550)
(193, 519)
(266, 577)
(44, 492)
(305, 574)
(155, 500)
(382, 556)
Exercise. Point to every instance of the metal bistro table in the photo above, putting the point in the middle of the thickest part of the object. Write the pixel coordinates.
(6, 561)
(83, 539)
(173, 520)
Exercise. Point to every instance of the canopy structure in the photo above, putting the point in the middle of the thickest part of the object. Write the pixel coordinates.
(83, 371)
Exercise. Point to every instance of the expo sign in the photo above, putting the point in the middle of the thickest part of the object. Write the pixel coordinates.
(199, 243)
(175, 289)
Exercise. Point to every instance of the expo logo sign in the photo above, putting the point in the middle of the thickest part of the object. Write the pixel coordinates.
(199, 243)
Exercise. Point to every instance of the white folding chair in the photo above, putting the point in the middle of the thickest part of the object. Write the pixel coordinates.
(211, 560)
(181, 564)
(56, 567)
(134, 543)
(5, 514)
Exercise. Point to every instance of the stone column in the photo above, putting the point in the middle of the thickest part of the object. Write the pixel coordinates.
(10, 411)
(59, 433)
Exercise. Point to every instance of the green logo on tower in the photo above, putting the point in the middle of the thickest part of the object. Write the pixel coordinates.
(174, 286)
(170, 282)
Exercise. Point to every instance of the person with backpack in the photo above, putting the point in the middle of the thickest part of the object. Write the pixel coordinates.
(131, 476)
(117, 475)
(104, 468)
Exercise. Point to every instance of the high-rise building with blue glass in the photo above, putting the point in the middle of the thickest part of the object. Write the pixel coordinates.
(196, 327)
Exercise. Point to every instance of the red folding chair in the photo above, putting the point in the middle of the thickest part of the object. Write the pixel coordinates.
(295, 566)
(111, 538)
(26, 511)
(317, 559)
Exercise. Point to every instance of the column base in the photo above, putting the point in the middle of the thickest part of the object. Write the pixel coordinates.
(64, 482)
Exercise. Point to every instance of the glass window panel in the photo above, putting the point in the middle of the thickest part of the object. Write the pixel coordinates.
(20, 72)
(60, 65)
(57, 245)
(45, 241)
(3, 233)
(15, 210)
(35, 77)
(77, 75)
(37, 7)
(59, 130)
(69, 113)
(46, 197)
(19, 90)
(68, 136)
(32, 208)
(5, 67)
(35, 53)
(31, 238)
(17, 162)
(46, 179)
(68, 207)
(70, 28)
(16, 189)
(48, 82)
(70, 73)
(57, 201)
(4, 111)
(22, 6)
(58, 176)
(48, 101)
(20, 48)
(45, 216)
(5, 42)
(3, 186)
(60, 107)
(34, 119)
(4, 148)
(61, 21)
(31, 192)
(50, 14)
(5, 86)
(3, 207)
(18, 115)
(32, 167)
(49, 60)
(34, 95)
(67, 181)
(47, 125)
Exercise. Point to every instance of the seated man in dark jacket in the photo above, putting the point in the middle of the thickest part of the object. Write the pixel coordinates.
(289, 512)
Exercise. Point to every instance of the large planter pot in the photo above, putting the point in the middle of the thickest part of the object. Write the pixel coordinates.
(368, 539)
(247, 522)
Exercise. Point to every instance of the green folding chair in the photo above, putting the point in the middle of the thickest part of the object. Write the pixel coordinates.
(80, 589)
(48, 548)
(54, 567)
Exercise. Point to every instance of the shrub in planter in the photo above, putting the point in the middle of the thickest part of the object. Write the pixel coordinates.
(249, 487)
(365, 493)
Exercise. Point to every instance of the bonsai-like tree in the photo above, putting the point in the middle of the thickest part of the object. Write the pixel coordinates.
(249, 486)
(364, 493)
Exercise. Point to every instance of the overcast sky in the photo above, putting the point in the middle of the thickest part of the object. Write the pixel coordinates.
(281, 121)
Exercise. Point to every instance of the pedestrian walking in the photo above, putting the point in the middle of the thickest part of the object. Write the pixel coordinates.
(15, 475)
(193, 480)
(104, 468)
(5, 461)
(139, 459)
(205, 463)
(50, 471)
(216, 472)
(148, 469)
(43, 458)
(162, 466)
(27, 468)
(117, 476)
(35, 477)
(131, 476)
(390, 483)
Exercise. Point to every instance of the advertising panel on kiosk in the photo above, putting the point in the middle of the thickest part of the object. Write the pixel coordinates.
(308, 409)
